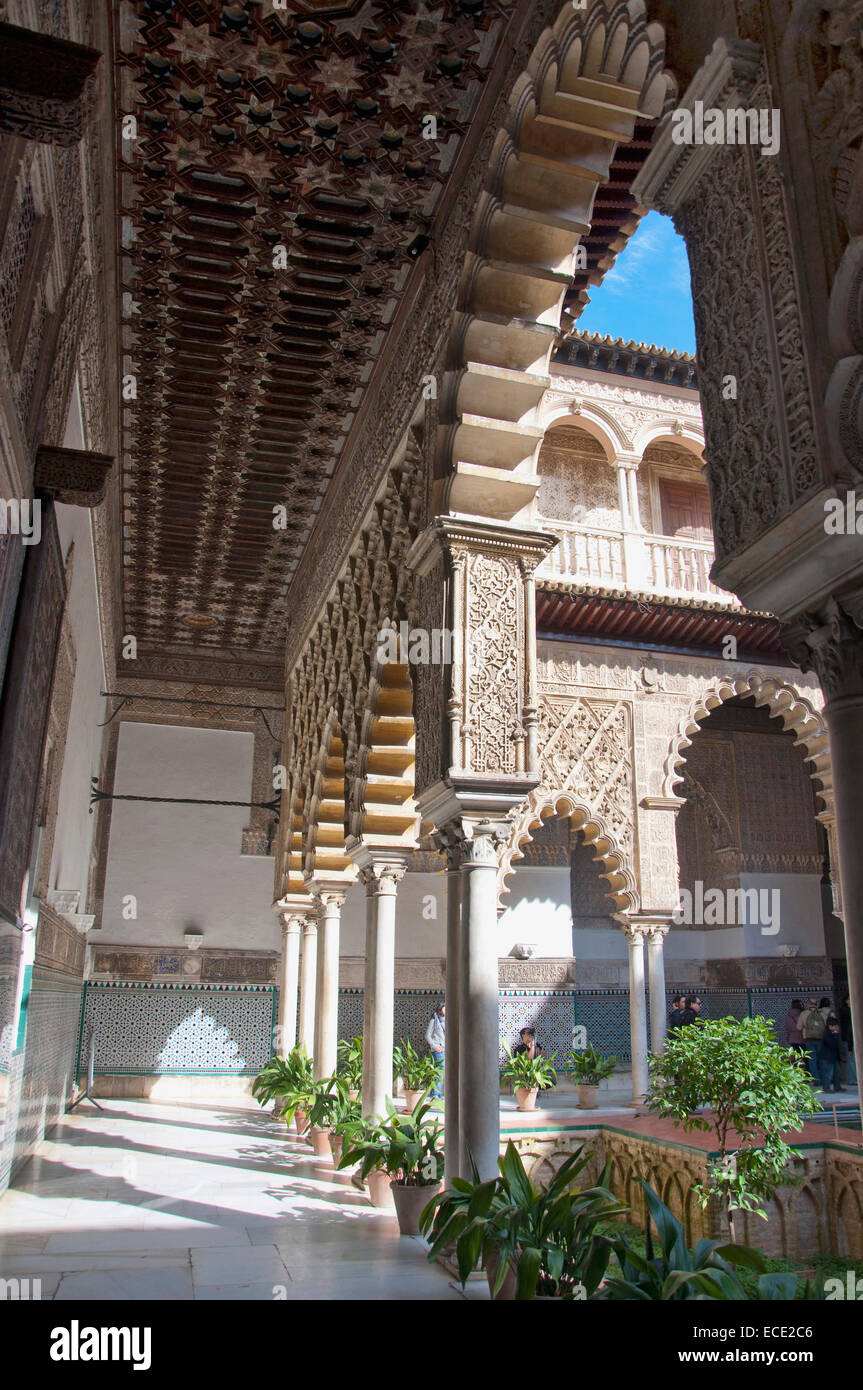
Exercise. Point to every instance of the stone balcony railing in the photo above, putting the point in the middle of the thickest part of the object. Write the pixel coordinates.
(634, 561)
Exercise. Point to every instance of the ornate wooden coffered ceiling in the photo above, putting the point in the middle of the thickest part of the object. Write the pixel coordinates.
(278, 184)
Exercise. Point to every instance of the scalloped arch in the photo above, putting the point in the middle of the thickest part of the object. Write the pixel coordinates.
(799, 716)
(593, 74)
(544, 802)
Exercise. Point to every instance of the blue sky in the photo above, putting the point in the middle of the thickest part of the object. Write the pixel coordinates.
(645, 296)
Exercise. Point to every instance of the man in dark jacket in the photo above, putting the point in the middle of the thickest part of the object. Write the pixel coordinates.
(829, 1056)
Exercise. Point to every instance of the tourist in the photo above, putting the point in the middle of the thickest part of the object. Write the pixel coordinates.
(676, 1012)
(811, 1024)
(527, 1043)
(436, 1039)
(846, 1033)
(690, 1007)
(793, 1035)
(830, 1056)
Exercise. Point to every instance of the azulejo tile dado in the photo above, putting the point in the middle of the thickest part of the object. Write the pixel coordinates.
(146, 1029)
(150, 1028)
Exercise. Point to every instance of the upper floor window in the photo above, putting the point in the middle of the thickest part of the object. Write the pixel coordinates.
(685, 509)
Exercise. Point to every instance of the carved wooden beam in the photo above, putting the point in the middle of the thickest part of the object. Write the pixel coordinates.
(42, 82)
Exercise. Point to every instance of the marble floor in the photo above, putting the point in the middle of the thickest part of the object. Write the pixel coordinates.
(176, 1202)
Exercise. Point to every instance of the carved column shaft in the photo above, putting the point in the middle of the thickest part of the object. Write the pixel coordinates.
(452, 1065)
(478, 1024)
(656, 986)
(308, 982)
(327, 1001)
(381, 874)
(637, 1011)
(289, 983)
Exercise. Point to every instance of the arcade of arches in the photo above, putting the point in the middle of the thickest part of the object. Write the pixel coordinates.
(258, 474)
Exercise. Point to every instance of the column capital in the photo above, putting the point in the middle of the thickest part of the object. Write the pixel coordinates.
(473, 840)
(328, 893)
(645, 925)
(383, 875)
(381, 867)
(294, 910)
(830, 643)
(635, 929)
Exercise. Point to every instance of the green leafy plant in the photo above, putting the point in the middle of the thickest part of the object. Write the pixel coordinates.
(290, 1078)
(332, 1104)
(350, 1063)
(668, 1270)
(550, 1236)
(589, 1067)
(418, 1072)
(528, 1073)
(756, 1092)
(406, 1147)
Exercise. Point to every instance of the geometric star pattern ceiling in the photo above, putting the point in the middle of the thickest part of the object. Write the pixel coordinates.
(277, 178)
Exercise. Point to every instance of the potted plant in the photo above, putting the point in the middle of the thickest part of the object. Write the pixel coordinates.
(528, 1075)
(292, 1079)
(532, 1242)
(332, 1109)
(407, 1148)
(350, 1064)
(358, 1138)
(418, 1072)
(588, 1068)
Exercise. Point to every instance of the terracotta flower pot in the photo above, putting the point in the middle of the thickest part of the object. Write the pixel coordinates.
(336, 1142)
(409, 1202)
(353, 1093)
(411, 1098)
(506, 1293)
(588, 1097)
(320, 1139)
(526, 1099)
(301, 1120)
(380, 1192)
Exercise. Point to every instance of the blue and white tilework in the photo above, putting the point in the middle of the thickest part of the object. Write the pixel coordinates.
(170, 1029)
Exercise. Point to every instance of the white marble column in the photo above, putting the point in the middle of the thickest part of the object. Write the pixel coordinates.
(656, 986)
(452, 1153)
(381, 872)
(634, 509)
(331, 899)
(289, 982)
(478, 1025)
(637, 1011)
(623, 496)
(308, 980)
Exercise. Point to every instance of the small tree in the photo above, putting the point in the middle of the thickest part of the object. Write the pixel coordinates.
(756, 1092)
